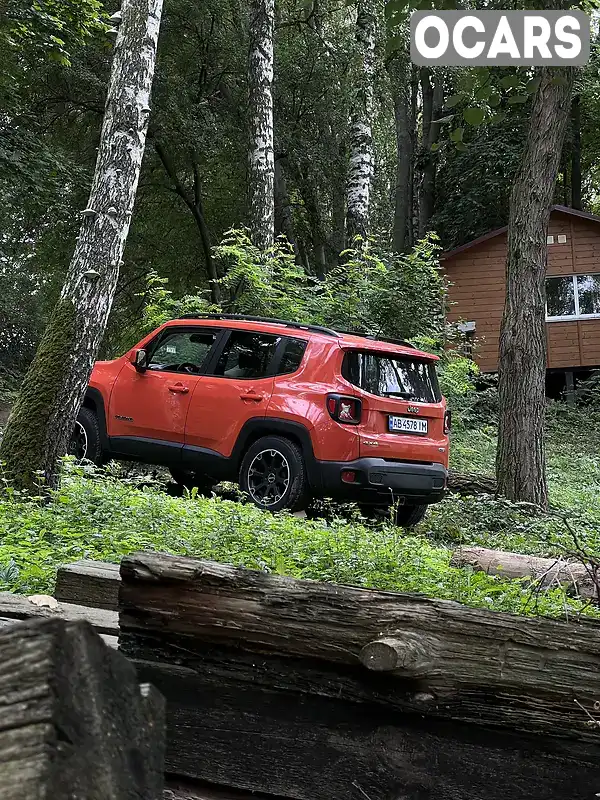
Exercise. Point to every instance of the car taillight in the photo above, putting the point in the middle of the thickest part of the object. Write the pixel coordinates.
(447, 421)
(344, 409)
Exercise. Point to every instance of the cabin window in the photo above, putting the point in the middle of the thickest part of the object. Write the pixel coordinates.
(572, 297)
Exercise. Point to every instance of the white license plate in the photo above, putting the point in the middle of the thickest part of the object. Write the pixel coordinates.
(407, 425)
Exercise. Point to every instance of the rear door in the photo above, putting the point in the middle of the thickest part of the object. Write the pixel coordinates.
(403, 410)
(237, 387)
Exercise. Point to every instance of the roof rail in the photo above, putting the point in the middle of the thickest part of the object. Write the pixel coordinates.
(376, 338)
(272, 320)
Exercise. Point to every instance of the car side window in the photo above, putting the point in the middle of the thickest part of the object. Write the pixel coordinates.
(182, 351)
(246, 356)
(292, 356)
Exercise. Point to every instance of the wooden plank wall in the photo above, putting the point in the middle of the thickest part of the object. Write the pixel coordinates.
(477, 293)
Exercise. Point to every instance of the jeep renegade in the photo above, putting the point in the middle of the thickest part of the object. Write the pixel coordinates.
(290, 411)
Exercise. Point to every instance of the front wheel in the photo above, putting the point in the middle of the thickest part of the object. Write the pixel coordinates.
(273, 475)
(85, 439)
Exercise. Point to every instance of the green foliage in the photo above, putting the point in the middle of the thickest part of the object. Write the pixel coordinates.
(37, 29)
(263, 283)
(103, 518)
(372, 290)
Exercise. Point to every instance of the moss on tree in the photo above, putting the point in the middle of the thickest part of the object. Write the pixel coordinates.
(23, 447)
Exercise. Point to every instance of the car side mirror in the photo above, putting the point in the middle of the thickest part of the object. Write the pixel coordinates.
(140, 360)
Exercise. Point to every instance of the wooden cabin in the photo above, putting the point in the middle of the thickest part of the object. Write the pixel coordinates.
(476, 271)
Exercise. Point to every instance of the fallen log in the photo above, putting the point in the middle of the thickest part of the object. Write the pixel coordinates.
(320, 692)
(470, 483)
(75, 722)
(543, 571)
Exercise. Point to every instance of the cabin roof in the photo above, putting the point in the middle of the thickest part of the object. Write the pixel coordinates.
(573, 212)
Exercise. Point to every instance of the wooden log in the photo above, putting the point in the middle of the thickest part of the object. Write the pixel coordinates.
(470, 483)
(544, 571)
(532, 659)
(75, 723)
(309, 730)
(89, 583)
(18, 607)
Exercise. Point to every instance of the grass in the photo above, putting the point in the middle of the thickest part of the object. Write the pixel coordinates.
(103, 517)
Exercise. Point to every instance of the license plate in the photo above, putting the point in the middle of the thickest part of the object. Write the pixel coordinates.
(407, 425)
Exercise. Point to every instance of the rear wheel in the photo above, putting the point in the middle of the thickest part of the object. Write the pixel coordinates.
(404, 516)
(273, 475)
(85, 439)
(191, 479)
(407, 516)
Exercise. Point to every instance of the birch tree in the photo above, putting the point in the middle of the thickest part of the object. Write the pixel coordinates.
(261, 168)
(44, 414)
(360, 174)
(521, 459)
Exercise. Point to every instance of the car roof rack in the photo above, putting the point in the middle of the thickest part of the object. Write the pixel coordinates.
(271, 320)
(376, 338)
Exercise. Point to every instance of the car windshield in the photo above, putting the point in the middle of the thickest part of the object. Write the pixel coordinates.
(393, 376)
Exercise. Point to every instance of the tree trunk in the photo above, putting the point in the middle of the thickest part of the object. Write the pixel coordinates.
(413, 217)
(44, 414)
(361, 137)
(403, 167)
(284, 220)
(338, 207)
(261, 175)
(576, 154)
(194, 204)
(432, 107)
(521, 459)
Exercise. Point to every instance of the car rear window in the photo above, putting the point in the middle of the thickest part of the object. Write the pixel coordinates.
(392, 376)
(292, 356)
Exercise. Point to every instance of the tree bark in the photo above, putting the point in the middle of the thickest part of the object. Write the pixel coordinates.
(360, 173)
(432, 107)
(44, 414)
(402, 194)
(521, 458)
(261, 176)
(576, 154)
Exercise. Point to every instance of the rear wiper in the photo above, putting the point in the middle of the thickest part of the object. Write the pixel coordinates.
(406, 395)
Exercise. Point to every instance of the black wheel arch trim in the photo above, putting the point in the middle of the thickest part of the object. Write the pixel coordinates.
(94, 400)
(257, 427)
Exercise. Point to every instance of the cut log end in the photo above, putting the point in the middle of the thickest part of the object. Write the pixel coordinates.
(410, 655)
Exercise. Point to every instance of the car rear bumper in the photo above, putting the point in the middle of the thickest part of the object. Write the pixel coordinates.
(378, 480)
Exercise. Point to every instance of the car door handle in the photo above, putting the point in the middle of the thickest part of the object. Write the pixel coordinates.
(178, 388)
(252, 396)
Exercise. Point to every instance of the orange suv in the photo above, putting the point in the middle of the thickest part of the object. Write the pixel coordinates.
(291, 411)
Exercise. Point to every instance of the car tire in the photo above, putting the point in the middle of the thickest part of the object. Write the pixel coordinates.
(285, 484)
(85, 443)
(407, 516)
(190, 479)
(376, 513)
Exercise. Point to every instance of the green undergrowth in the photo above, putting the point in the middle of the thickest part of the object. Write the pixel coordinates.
(573, 525)
(102, 517)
